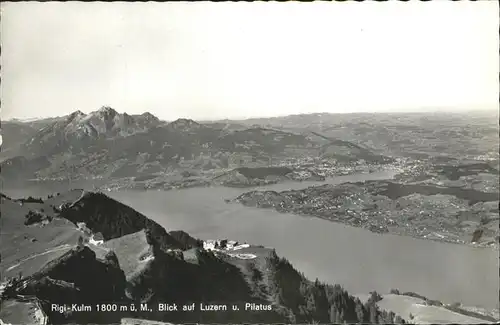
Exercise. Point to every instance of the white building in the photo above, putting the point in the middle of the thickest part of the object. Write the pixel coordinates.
(209, 245)
(231, 244)
(96, 239)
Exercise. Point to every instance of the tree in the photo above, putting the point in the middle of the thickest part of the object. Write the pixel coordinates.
(303, 311)
(112, 258)
(311, 302)
(303, 288)
(280, 296)
(340, 319)
(391, 316)
(359, 311)
(333, 314)
(478, 233)
(80, 241)
(375, 297)
(149, 237)
(373, 313)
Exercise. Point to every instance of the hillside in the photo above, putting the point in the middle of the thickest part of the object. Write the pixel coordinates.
(433, 212)
(452, 135)
(140, 263)
(41, 240)
(259, 176)
(420, 310)
(95, 209)
(14, 134)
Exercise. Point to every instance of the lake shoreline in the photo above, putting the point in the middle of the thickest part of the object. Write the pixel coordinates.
(360, 260)
(437, 240)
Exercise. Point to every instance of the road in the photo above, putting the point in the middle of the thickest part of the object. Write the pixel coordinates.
(55, 249)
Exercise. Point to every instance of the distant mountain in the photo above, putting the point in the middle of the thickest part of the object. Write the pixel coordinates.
(348, 152)
(107, 144)
(77, 130)
(227, 126)
(14, 134)
(51, 257)
(21, 167)
(183, 124)
(414, 135)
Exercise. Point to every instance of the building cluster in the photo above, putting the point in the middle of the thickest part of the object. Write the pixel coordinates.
(224, 244)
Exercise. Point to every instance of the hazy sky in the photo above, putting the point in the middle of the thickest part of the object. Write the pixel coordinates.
(217, 60)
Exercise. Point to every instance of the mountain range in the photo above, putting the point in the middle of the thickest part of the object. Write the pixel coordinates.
(112, 145)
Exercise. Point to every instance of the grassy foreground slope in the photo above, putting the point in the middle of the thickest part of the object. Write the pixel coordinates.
(420, 310)
(27, 243)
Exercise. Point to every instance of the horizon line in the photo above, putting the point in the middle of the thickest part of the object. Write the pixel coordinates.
(243, 118)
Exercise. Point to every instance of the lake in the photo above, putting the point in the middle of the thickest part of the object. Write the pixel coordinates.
(358, 259)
